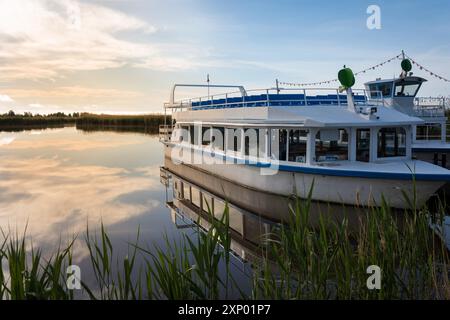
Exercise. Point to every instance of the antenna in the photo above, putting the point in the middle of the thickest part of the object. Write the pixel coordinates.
(207, 80)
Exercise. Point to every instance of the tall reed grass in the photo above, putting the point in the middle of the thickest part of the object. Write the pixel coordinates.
(299, 261)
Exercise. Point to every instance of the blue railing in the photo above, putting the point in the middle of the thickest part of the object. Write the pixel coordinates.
(276, 100)
(272, 97)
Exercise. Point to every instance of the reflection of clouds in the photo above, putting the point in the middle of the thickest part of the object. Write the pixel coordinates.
(6, 140)
(57, 199)
(64, 144)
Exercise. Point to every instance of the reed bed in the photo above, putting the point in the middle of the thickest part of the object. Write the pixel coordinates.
(299, 261)
(148, 123)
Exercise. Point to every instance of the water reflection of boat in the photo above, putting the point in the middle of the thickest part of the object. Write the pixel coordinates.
(192, 206)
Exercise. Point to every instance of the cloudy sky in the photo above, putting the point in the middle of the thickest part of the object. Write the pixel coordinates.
(116, 56)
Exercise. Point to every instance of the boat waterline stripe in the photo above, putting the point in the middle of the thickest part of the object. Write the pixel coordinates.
(331, 172)
(419, 149)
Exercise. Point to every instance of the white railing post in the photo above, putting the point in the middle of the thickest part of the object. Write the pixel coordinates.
(373, 147)
(352, 143)
(311, 146)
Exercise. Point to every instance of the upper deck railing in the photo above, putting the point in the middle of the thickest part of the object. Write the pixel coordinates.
(430, 106)
(275, 97)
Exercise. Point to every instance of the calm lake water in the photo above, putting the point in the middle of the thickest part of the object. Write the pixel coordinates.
(56, 182)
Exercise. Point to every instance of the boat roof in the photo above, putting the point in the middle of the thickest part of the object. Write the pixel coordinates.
(308, 116)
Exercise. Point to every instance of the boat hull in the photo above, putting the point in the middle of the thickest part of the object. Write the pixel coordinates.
(325, 188)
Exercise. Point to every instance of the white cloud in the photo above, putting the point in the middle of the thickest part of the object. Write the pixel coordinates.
(46, 39)
(5, 98)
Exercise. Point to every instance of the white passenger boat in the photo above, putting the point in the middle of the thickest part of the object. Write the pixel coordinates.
(429, 138)
(346, 148)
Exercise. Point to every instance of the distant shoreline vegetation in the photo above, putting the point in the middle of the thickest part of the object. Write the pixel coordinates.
(146, 123)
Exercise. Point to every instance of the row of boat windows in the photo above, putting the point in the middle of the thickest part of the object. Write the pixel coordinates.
(429, 132)
(291, 144)
(401, 89)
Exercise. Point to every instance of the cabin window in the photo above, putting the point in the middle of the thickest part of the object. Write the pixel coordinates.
(263, 135)
(282, 144)
(391, 142)
(184, 137)
(278, 144)
(380, 90)
(363, 145)
(218, 137)
(234, 139)
(192, 134)
(428, 132)
(251, 142)
(297, 145)
(206, 136)
(405, 89)
(331, 145)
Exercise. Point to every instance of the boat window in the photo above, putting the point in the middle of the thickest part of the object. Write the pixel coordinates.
(363, 145)
(380, 90)
(428, 132)
(278, 144)
(251, 142)
(206, 136)
(262, 143)
(282, 141)
(331, 145)
(406, 89)
(297, 145)
(391, 142)
(192, 134)
(184, 137)
(218, 137)
(234, 139)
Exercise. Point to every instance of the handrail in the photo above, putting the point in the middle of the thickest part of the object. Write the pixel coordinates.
(172, 95)
(267, 99)
(430, 106)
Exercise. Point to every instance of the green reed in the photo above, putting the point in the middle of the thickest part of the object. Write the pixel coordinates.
(300, 260)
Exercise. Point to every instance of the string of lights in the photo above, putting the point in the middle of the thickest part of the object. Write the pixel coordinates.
(399, 56)
(427, 70)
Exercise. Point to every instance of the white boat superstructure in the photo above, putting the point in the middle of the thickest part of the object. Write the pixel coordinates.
(350, 148)
(401, 94)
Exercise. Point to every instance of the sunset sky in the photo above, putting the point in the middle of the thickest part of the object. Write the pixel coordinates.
(122, 56)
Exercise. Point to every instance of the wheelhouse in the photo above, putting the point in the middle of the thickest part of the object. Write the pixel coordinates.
(401, 95)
